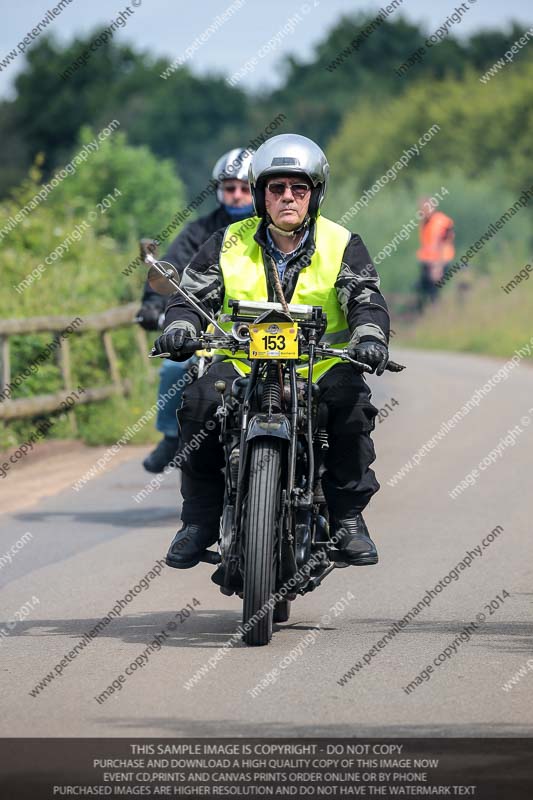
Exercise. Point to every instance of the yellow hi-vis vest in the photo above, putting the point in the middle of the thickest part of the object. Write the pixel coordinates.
(243, 270)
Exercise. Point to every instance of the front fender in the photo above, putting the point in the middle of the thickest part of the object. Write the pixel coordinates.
(268, 425)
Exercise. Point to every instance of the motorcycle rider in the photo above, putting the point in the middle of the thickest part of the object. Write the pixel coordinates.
(319, 263)
(230, 174)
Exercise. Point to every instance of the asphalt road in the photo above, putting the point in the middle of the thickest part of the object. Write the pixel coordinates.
(88, 549)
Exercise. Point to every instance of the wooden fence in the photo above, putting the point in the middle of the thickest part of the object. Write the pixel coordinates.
(104, 323)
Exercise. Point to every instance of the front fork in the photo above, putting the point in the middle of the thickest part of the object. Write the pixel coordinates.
(301, 526)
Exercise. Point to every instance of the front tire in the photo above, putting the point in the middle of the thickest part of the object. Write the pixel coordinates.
(260, 540)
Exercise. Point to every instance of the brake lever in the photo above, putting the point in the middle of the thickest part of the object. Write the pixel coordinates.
(330, 351)
(360, 364)
(392, 366)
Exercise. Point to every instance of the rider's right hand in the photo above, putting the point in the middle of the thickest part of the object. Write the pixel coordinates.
(373, 353)
(176, 342)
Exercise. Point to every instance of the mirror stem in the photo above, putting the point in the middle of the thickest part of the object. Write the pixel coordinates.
(149, 259)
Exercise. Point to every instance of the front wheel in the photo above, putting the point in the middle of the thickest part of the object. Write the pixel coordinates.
(260, 540)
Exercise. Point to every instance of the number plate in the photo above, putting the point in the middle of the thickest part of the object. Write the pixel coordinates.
(274, 340)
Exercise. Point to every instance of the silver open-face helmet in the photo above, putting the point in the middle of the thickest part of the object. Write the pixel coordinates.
(233, 164)
(289, 154)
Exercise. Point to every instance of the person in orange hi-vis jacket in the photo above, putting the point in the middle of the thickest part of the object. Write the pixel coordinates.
(436, 249)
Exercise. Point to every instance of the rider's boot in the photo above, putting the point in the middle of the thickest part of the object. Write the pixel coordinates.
(163, 454)
(190, 542)
(354, 540)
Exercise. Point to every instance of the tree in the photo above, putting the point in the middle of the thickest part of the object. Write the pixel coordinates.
(187, 118)
(318, 93)
(147, 193)
(482, 127)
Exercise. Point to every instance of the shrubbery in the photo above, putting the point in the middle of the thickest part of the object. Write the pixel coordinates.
(87, 278)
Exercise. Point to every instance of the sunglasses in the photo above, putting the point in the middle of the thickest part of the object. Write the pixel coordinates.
(232, 188)
(298, 190)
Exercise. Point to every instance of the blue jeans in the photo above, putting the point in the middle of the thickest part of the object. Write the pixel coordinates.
(171, 373)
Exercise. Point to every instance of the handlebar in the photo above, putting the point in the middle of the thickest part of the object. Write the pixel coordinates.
(210, 342)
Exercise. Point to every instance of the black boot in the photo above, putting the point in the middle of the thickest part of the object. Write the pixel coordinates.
(354, 540)
(190, 543)
(162, 455)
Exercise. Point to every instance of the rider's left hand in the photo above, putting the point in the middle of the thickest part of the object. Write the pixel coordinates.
(373, 353)
(176, 340)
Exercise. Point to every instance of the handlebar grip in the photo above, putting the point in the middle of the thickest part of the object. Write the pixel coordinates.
(192, 346)
(188, 348)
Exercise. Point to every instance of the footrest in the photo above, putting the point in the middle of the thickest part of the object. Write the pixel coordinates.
(210, 557)
(336, 555)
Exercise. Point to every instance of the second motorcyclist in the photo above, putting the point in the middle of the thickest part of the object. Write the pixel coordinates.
(234, 203)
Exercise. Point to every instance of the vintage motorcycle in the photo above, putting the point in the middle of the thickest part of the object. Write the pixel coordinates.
(274, 541)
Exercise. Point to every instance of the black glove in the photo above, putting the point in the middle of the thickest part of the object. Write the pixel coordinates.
(148, 316)
(375, 354)
(177, 342)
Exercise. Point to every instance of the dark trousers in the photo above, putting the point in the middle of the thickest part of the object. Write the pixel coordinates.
(348, 481)
(427, 288)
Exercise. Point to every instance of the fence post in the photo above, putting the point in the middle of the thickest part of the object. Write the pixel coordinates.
(66, 371)
(142, 344)
(5, 366)
(112, 360)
